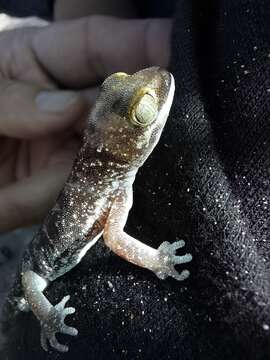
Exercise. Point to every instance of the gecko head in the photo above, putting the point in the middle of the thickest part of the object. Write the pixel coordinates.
(131, 112)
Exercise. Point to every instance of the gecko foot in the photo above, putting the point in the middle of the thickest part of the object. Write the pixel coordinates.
(55, 324)
(168, 260)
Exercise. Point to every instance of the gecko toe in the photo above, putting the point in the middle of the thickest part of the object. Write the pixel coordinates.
(177, 245)
(43, 341)
(180, 276)
(56, 345)
(68, 311)
(61, 305)
(182, 259)
(68, 330)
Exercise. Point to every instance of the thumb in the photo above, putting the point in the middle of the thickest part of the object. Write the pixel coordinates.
(27, 111)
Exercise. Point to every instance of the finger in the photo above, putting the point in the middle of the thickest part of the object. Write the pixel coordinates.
(96, 46)
(26, 202)
(52, 150)
(27, 111)
(9, 150)
(22, 163)
(90, 96)
(33, 156)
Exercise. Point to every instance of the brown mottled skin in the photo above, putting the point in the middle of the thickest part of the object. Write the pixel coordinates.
(123, 128)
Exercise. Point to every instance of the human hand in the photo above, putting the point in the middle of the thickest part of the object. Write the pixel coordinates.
(38, 141)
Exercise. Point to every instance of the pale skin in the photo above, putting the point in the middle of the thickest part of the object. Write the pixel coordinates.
(98, 196)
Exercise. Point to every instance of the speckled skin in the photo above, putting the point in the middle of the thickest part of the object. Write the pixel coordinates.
(97, 196)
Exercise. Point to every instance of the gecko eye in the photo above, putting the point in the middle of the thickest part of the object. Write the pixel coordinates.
(145, 109)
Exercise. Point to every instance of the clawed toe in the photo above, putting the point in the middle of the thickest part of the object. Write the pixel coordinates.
(68, 311)
(61, 305)
(43, 341)
(180, 276)
(68, 330)
(177, 245)
(56, 345)
(182, 259)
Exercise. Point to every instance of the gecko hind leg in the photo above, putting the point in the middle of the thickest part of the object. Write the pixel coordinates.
(51, 317)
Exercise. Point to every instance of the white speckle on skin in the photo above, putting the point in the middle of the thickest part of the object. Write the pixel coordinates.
(99, 148)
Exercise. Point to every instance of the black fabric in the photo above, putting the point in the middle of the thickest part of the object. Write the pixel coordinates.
(44, 8)
(207, 182)
(155, 8)
(27, 7)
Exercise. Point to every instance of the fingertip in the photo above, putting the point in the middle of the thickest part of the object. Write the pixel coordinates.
(56, 101)
(28, 112)
(58, 110)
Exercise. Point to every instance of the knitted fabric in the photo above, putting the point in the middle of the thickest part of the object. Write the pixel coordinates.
(206, 182)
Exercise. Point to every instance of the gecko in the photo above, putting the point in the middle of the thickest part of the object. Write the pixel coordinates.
(123, 128)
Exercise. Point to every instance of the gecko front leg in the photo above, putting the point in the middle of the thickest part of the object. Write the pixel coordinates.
(51, 317)
(161, 261)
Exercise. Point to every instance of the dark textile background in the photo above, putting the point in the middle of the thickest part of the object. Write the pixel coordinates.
(155, 8)
(207, 182)
(27, 7)
(43, 8)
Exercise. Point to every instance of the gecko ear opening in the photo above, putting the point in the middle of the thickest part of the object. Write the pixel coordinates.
(144, 108)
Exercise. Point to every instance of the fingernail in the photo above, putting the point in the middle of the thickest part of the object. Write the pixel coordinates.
(56, 101)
